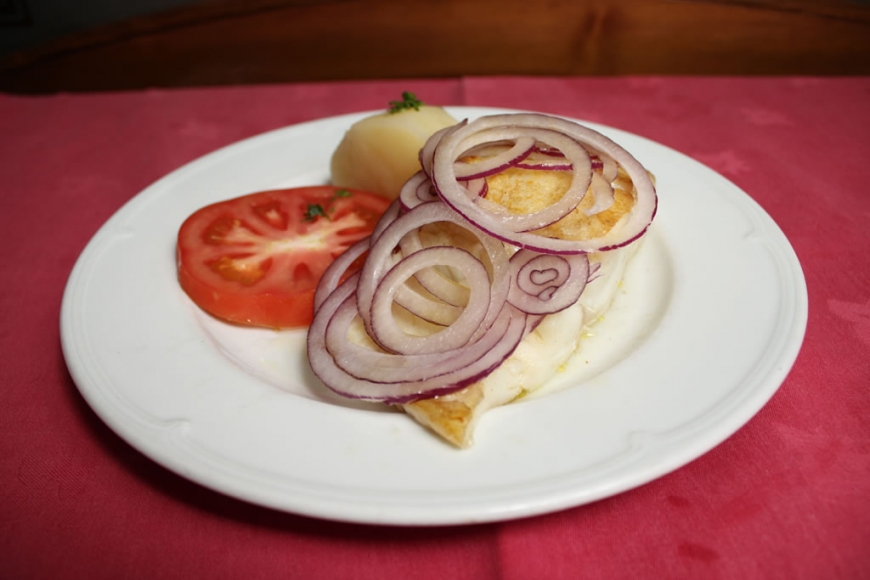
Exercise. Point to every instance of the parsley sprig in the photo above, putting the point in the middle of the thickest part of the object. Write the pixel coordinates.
(409, 101)
(315, 210)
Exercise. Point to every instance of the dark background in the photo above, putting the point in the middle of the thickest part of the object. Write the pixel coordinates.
(49, 46)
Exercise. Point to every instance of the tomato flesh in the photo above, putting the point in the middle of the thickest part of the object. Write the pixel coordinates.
(256, 259)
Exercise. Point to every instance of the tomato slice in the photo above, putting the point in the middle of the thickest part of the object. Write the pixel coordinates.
(256, 259)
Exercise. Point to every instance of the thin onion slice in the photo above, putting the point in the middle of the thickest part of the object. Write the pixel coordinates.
(382, 249)
(445, 287)
(470, 304)
(364, 363)
(602, 193)
(414, 299)
(547, 159)
(390, 336)
(332, 276)
(446, 182)
(547, 283)
(427, 151)
(433, 280)
(393, 211)
(418, 189)
(522, 147)
(515, 229)
(451, 375)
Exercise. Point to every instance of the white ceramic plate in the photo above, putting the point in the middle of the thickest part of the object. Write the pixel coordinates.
(709, 321)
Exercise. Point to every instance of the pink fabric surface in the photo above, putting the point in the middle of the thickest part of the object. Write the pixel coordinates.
(785, 497)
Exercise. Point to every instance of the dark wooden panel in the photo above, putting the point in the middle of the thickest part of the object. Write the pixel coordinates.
(261, 41)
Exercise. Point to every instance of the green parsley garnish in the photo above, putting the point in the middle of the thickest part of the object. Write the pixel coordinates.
(315, 210)
(409, 101)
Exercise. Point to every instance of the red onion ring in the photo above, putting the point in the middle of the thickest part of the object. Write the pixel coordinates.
(418, 189)
(523, 145)
(479, 300)
(331, 277)
(516, 229)
(387, 333)
(547, 283)
(382, 249)
(452, 372)
(545, 158)
(427, 151)
(446, 288)
(380, 367)
(422, 304)
(495, 218)
(602, 192)
(389, 216)
(433, 281)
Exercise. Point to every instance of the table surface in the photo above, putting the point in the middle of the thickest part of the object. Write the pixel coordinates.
(784, 497)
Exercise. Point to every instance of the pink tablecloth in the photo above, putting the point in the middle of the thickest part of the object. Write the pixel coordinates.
(788, 496)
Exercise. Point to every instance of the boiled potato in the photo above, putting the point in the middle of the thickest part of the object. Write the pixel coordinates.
(379, 153)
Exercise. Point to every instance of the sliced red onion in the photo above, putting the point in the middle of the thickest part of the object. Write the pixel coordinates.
(444, 286)
(549, 151)
(332, 276)
(475, 187)
(478, 301)
(394, 235)
(434, 280)
(594, 272)
(547, 160)
(376, 267)
(388, 217)
(390, 336)
(505, 222)
(452, 371)
(422, 304)
(602, 193)
(547, 283)
(426, 153)
(418, 189)
(489, 149)
(380, 367)
(609, 169)
(522, 147)
(514, 229)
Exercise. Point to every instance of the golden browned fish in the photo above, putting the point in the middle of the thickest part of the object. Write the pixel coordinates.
(548, 348)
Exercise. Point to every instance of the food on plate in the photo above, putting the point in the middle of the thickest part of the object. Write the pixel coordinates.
(379, 153)
(256, 259)
(481, 278)
(538, 358)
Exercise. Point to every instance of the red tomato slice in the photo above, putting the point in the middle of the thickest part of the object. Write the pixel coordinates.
(256, 259)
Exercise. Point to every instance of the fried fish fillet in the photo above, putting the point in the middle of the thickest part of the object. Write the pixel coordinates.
(537, 359)
(548, 348)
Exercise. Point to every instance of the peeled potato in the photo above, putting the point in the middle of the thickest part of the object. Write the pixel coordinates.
(379, 153)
